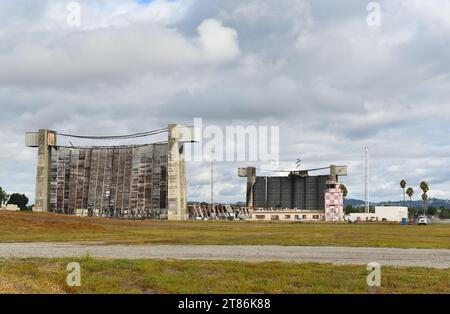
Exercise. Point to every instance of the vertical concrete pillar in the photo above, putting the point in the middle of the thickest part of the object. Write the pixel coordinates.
(183, 187)
(45, 140)
(251, 179)
(176, 177)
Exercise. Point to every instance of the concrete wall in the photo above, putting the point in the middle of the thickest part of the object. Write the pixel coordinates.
(363, 217)
(391, 213)
(10, 207)
(287, 215)
(383, 213)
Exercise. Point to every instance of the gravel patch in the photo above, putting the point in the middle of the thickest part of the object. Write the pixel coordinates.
(432, 258)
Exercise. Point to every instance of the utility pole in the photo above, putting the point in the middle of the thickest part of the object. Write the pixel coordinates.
(366, 179)
(212, 176)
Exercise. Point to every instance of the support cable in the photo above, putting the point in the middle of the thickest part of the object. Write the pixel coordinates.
(115, 137)
(296, 170)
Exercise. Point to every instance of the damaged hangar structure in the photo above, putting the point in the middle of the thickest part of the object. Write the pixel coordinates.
(298, 195)
(131, 181)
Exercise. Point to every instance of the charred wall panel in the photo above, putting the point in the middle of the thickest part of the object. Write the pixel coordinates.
(274, 192)
(286, 192)
(311, 192)
(109, 179)
(321, 190)
(259, 192)
(290, 192)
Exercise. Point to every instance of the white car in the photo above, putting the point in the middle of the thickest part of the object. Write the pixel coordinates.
(422, 220)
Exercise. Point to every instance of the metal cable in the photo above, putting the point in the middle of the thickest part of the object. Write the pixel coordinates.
(113, 146)
(296, 170)
(115, 137)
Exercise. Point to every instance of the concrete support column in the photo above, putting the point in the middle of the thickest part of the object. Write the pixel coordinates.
(251, 179)
(45, 140)
(176, 177)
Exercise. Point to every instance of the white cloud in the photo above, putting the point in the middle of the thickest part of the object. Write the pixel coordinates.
(314, 68)
(218, 42)
(109, 54)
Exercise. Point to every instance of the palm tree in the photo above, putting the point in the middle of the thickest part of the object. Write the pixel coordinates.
(425, 188)
(403, 186)
(410, 193)
(424, 199)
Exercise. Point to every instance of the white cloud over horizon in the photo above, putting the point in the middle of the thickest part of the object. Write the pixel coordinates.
(316, 69)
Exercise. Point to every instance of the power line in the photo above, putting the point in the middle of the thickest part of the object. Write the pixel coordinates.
(366, 180)
(112, 147)
(116, 137)
(297, 170)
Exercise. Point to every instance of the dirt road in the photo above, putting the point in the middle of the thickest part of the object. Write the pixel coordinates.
(434, 258)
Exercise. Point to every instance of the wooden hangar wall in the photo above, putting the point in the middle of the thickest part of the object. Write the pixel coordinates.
(111, 179)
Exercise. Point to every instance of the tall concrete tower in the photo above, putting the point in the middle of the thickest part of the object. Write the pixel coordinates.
(176, 171)
(44, 140)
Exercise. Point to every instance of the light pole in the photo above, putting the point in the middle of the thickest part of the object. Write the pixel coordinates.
(213, 151)
(366, 179)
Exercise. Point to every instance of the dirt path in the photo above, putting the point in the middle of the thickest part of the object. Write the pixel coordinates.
(434, 258)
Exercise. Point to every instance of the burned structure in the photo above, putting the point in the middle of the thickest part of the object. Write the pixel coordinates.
(218, 212)
(132, 181)
(298, 190)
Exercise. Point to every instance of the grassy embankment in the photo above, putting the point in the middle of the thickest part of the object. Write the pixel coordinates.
(156, 276)
(27, 227)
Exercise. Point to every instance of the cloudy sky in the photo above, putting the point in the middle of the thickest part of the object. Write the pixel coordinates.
(317, 69)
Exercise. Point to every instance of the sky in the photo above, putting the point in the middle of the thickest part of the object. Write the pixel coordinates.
(329, 79)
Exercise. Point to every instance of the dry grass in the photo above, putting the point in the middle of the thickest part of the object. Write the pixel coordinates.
(26, 227)
(156, 276)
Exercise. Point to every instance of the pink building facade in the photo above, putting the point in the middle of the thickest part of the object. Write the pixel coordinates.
(334, 205)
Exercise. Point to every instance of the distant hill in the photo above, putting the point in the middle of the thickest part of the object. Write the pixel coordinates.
(353, 202)
(436, 202)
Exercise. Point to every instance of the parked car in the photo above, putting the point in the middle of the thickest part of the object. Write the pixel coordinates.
(422, 221)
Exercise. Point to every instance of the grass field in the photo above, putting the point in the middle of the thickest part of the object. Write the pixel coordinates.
(27, 227)
(157, 276)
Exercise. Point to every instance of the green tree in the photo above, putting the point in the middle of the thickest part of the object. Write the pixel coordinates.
(403, 186)
(444, 213)
(20, 200)
(348, 209)
(425, 188)
(343, 190)
(432, 211)
(3, 196)
(353, 209)
(410, 193)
